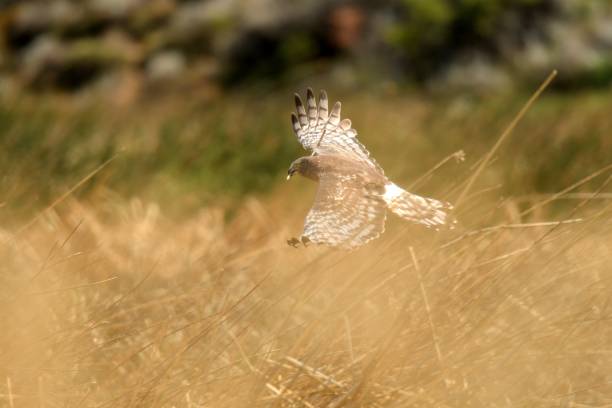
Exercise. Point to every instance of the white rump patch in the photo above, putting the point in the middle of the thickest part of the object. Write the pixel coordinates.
(411, 207)
(392, 192)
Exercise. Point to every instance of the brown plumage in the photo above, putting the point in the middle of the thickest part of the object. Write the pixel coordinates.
(354, 193)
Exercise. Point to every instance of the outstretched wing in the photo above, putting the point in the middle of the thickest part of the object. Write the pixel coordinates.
(324, 132)
(347, 212)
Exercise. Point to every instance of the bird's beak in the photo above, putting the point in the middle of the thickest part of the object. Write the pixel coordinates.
(290, 173)
(288, 176)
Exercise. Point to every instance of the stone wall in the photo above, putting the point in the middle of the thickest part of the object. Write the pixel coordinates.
(148, 44)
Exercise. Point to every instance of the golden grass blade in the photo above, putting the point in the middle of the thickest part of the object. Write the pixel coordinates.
(568, 189)
(9, 389)
(503, 137)
(459, 156)
(434, 335)
(67, 194)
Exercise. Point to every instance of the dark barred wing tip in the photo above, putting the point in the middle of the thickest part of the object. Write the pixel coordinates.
(309, 94)
(323, 105)
(296, 123)
(301, 112)
(312, 107)
(334, 118)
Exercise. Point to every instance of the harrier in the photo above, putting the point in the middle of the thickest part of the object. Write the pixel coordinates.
(353, 195)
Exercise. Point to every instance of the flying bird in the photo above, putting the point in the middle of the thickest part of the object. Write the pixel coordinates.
(354, 194)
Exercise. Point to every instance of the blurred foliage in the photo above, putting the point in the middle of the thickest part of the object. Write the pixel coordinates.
(225, 155)
(73, 45)
(197, 154)
(46, 149)
(429, 33)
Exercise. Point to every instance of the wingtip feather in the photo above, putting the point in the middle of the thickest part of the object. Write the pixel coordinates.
(301, 111)
(312, 107)
(295, 122)
(298, 100)
(323, 105)
(334, 118)
(345, 124)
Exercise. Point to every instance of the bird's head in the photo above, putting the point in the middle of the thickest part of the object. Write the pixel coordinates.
(296, 167)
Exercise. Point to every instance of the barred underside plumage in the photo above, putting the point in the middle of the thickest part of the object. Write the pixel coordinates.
(353, 195)
(345, 213)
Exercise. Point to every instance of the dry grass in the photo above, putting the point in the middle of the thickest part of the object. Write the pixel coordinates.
(140, 311)
(115, 303)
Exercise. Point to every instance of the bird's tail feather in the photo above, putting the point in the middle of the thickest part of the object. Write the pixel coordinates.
(411, 207)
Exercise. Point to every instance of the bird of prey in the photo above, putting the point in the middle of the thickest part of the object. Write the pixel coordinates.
(354, 194)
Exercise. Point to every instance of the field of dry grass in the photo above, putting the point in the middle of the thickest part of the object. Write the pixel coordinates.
(113, 301)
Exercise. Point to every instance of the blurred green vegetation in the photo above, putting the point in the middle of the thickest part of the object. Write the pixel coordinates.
(429, 33)
(209, 154)
(193, 154)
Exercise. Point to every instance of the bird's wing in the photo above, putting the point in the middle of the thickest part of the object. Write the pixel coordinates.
(323, 132)
(346, 212)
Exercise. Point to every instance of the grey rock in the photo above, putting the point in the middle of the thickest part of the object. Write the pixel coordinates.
(473, 71)
(167, 65)
(32, 16)
(602, 32)
(194, 17)
(46, 50)
(40, 16)
(573, 50)
(114, 8)
(268, 15)
(64, 13)
(536, 56)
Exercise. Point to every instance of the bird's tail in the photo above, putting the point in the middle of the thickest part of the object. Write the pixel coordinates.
(427, 211)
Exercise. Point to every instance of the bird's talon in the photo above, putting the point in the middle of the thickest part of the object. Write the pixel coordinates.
(294, 242)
